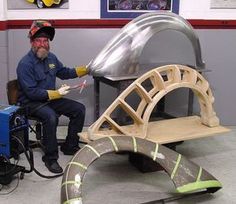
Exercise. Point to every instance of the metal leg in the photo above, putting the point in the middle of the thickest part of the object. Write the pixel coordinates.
(190, 102)
(96, 99)
(38, 129)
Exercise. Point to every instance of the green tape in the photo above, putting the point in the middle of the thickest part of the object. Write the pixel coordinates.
(73, 200)
(94, 150)
(156, 151)
(114, 144)
(71, 183)
(199, 185)
(77, 164)
(135, 144)
(176, 166)
(199, 174)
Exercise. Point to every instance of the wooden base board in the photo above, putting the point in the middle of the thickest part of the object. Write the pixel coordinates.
(174, 130)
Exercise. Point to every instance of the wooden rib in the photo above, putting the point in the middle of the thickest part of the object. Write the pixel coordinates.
(176, 74)
(143, 93)
(190, 76)
(141, 107)
(158, 84)
(131, 111)
(209, 93)
(115, 125)
(96, 126)
(202, 83)
(159, 81)
(155, 88)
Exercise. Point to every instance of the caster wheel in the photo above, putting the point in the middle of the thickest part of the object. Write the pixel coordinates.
(22, 175)
(40, 4)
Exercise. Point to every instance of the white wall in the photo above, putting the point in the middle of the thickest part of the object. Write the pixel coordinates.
(84, 44)
(90, 9)
(3, 9)
(200, 9)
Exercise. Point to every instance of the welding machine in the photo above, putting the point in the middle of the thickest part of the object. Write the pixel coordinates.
(13, 126)
(13, 141)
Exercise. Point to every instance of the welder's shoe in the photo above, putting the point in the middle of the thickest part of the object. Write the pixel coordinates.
(69, 150)
(53, 166)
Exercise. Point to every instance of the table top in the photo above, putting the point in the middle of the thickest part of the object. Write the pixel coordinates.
(140, 72)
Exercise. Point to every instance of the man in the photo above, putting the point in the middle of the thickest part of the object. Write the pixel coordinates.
(36, 74)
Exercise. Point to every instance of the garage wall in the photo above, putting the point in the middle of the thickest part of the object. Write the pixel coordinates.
(85, 44)
(80, 45)
(3, 65)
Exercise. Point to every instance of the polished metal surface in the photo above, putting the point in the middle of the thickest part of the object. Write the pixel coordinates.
(121, 55)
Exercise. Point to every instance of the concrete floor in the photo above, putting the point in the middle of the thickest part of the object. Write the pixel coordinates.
(113, 180)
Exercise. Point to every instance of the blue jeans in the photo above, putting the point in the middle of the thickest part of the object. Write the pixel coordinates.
(49, 114)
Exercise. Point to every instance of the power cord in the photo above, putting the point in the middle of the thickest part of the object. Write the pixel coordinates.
(11, 167)
(30, 158)
(7, 193)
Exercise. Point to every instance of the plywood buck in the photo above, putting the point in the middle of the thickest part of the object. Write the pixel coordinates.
(162, 80)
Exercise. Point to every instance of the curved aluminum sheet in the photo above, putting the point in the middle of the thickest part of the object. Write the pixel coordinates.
(121, 55)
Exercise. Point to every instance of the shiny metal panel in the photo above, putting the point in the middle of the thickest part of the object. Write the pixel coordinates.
(120, 57)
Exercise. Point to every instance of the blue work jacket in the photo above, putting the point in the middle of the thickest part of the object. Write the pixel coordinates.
(36, 76)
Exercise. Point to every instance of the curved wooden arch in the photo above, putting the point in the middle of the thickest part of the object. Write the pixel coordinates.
(186, 175)
(162, 80)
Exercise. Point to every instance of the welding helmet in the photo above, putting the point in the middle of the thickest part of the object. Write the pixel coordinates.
(41, 28)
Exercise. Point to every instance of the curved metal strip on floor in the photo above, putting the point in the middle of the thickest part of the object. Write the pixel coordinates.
(187, 176)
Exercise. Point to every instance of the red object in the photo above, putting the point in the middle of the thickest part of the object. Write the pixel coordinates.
(107, 23)
(79, 86)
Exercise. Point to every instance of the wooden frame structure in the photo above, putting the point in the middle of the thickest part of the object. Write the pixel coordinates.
(144, 137)
(162, 80)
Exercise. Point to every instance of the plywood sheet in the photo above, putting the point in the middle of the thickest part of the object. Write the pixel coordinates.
(173, 130)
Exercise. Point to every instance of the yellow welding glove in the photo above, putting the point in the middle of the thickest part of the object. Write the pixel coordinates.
(55, 94)
(81, 71)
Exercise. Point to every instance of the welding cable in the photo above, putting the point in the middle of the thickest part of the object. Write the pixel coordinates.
(30, 159)
(17, 184)
(24, 150)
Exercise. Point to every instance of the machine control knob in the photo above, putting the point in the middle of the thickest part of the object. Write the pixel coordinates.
(17, 120)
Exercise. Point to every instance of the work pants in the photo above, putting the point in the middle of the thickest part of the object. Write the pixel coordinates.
(48, 113)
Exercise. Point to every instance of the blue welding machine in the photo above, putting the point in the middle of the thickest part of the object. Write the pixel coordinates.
(13, 130)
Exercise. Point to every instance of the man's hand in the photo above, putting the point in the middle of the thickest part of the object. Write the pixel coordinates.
(56, 94)
(65, 89)
(82, 70)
